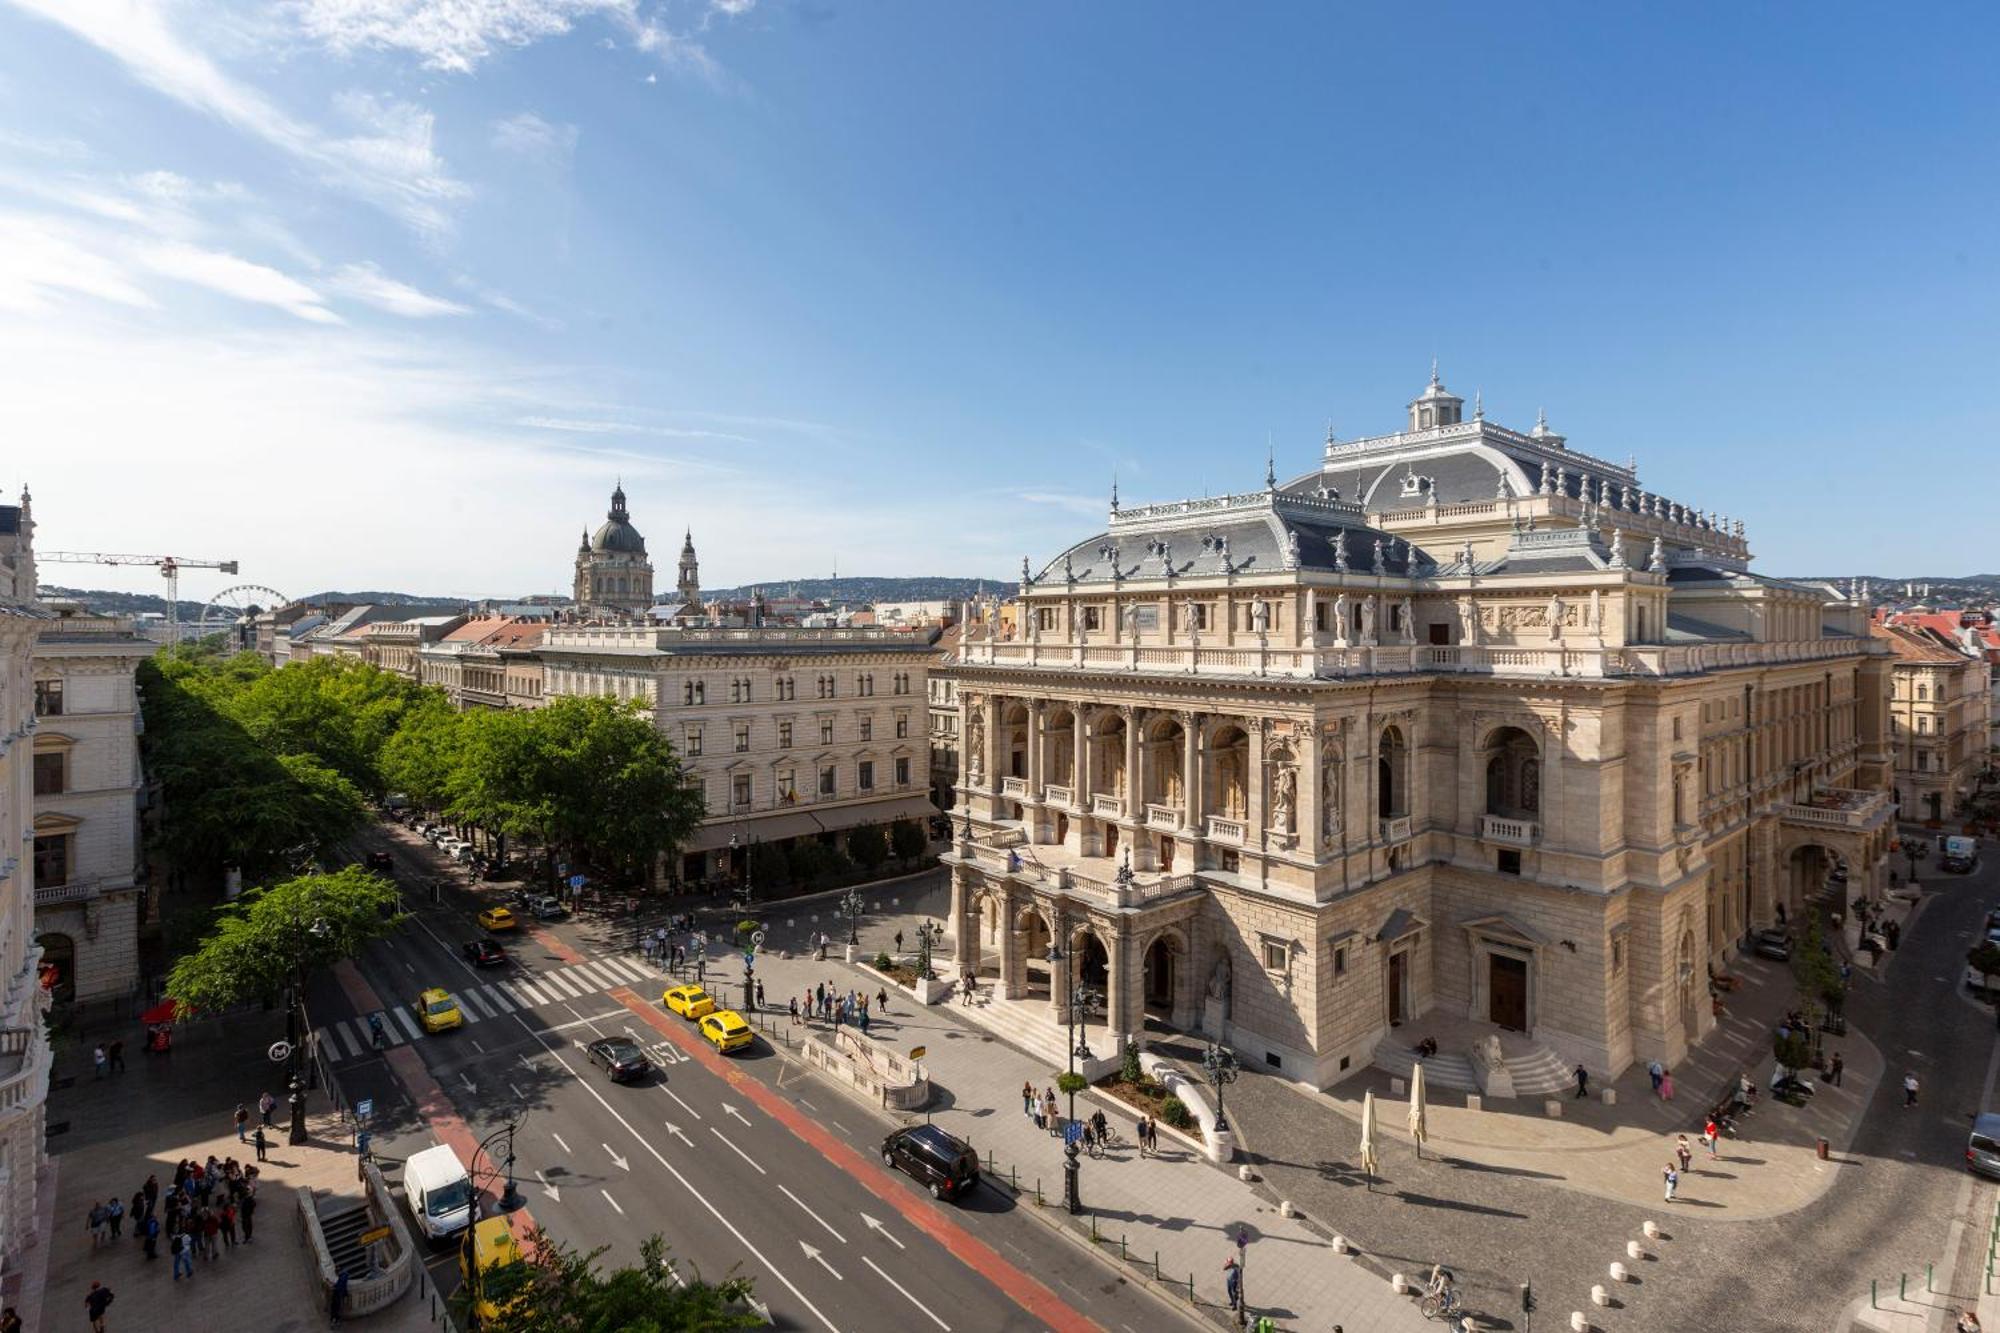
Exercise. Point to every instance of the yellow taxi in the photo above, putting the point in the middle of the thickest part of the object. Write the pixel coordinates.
(726, 1028)
(690, 1002)
(498, 918)
(488, 1248)
(436, 1010)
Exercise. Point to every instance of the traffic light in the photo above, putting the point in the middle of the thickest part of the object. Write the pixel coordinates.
(1527, 1299)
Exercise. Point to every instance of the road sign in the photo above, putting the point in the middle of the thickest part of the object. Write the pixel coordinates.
(749, 960)
(577, 881)
(279, 1051)
(364, 1109)
(757, 938)
(1072, 1131)
(373, 1234)
(917, 1052)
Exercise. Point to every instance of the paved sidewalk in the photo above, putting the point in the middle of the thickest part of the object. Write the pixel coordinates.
(1176, 1206)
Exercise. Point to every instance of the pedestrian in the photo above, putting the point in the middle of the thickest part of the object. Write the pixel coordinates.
(10, 1322)
(1655, 1073)
(262, 1144)
(1684, 1151)
(1910, 1089)
(882, 999)
(211, 1230)
(149, 1236)
(116, 1054)
(137, 1211)
(229, 1225)
(1781, 916)
(242, 1122)
(100, 1060)
(152, 1189)
(1967, 1322)
(1667, 1086)
(899, 941)
(1582, 1080)
(1027, 1098)
(336, 1303)
(1835, 1069)
(182, 1246)
(99, 1225)
(794, 1009)
(95, 1302)
(1673, 1179)
(1232, 1277)
(114, 1213)
(760, 995)
(864, 1021)
(246, 1213)
(1039, 1110)
(1710, 1131)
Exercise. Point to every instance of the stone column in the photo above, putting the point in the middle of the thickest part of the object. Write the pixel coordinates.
(1036, 743)
(1013, 983)
(1253, 783)
(1135, 789)
(1305, 811)
(1124, 1005)
(965, 931)
(1079, 778)
(1191, 774)
(1059, 975)
(990, 710)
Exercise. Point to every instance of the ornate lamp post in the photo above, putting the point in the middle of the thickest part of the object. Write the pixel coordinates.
(928, 935)
(852, 906)
(297, 1099)
(510, 1198)
(1080, 1000)
(1220, 1063)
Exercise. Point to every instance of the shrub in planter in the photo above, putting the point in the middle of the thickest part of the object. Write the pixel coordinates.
(745, 929)
(1174, 1111)
(1129, 1069)
(1071, 1083)
(1791, 1050)
(882, 963)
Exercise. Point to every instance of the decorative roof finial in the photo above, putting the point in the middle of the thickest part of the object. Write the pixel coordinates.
(1114, 490)
(1541, 421)
(1329, 430)
(1270, 464)
(1478, 405)
(1434, 372)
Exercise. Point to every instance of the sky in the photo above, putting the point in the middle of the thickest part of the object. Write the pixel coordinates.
(390, 293)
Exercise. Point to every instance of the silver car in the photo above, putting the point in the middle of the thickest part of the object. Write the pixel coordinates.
(1982, 1149)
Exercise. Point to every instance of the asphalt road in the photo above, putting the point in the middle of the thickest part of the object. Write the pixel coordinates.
(746, 1165)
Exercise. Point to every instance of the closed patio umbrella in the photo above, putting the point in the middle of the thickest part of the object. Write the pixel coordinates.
(1368, 1163)
(1418, 1130)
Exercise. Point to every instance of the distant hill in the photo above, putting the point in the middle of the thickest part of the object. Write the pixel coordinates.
(855, 591)
(121, 603)
(1947, 591)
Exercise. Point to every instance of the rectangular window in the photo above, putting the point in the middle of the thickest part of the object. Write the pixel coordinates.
(739, 791)
(902, 727)
(52, 860)
(1509, 862)
(48, 698)
(1147, 619)
(694, 742)
(902, 772)
(788, 790)
(1198, 615)
(1045, 618)
(867, 725)
(826, 731)
(742, 737)
(784, 735)
(1277, 956)
(51, 767)
(826, 781)
(1091, 618)
(1340, 961)
(864, 775)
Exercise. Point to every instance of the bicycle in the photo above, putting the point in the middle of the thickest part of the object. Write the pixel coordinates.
(1440, 1299)
(1100, 1145)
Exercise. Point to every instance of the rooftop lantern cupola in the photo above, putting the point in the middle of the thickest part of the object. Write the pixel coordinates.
(1542, 432)
(1437, 406)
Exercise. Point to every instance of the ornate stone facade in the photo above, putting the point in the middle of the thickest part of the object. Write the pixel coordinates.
(1938, 703)
(1463, 721)
(613, 575)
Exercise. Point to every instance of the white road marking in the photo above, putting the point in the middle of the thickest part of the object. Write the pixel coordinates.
(478, 1008)
(476, 1046)
(820, 1259)
(529, 989)
(529, 1065)
(518, 1094)
(883, 1232)
(675, 1130)
(739, 1152)
(906, 1295)
(409, 1024)
(677, 1097)
(730, 1110)
(349, 1037)
(507, 990)
(622, 1163)
(559, 1141)
(491, 997)
(466, 1079)
(623, 968)
(613, 1202)
(411, 970)
(813, 1215)
(554, 1193)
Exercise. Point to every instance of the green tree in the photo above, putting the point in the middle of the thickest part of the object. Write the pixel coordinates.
(810, 859)
(868, 847)
(1985, 960)
(906, 840)
(768, 864)
(1791, 1049)
(253, 947)
(421, 757)
(559, 1290)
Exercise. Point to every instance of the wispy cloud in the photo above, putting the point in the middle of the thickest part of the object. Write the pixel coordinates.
(1089, 506)
(387, 159)
(527, 135)
(451, 35)
(369, 285)
(589, 426)
(41, 261)
(233, 276)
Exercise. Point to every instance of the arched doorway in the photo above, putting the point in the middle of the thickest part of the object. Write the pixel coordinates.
(59, 965)
(1229, 755)
(1034, 947)
(1162, 968)
(1014, 731)
(1513, 774)
(1093, 961)
(1392, 768)
(1111, 839)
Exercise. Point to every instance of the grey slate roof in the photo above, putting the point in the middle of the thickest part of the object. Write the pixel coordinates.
(1244, 545)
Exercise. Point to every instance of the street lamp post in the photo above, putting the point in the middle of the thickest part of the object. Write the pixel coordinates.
(1220, 1062)
(1080, 999)
(852, 906)
(299, 1074)
(928, 934)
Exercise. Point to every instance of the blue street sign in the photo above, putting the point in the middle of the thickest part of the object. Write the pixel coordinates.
(577, 881)
(749, 960)
(364, 1109)
(1072, 1130)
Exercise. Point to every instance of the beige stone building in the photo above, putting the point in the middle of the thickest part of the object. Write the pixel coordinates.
(1463, 727)
(89, 901)
(487, 662)
(613, 575)
(789, 732)
(1938, 718)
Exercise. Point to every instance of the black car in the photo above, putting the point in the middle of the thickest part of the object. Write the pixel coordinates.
(381, 861)
(484, 953)
(620, 1057)
(1772, 944)
(945, 1165)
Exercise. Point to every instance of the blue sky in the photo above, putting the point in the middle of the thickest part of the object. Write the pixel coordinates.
(387, 292)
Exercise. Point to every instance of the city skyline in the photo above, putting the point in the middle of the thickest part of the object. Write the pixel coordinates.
(369, 299)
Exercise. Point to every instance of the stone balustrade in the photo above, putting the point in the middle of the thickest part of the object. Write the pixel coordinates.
(1062, 796)
(1513, 832)
(1227, 830)
(1397, 829)
(1162, 816)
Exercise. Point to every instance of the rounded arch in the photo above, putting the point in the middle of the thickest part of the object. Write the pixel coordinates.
(1392, 773)
(1164, 958)
(1228, 771)
(1512, 772)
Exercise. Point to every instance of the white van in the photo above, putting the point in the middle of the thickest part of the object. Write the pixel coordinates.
(440, 1192)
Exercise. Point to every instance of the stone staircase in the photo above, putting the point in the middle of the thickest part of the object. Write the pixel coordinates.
(342, 1220)
(1536, 1070)
(1025, 1025)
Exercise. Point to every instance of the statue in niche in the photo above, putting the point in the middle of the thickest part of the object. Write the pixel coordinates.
(1368, 620)
(1329, 802)
(1291, 548)
(1260, 617)
(1284, 797)
(1468, 620)
(1409, 622)
(1493, 1055)
(1340, 617)
(1131, 617)
(1556, 612)
(1218, 980)
(1380, 564)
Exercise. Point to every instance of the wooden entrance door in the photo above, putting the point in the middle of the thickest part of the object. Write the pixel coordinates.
(1507, 991)
(1399, 980)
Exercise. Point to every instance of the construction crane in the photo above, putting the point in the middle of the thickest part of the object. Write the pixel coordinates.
(170, 567)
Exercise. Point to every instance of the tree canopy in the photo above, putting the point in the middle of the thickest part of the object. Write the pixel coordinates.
(558, 1290)
(250, 947)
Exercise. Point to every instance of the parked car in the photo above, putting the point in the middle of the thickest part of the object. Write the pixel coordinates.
(544, 907)
(619, 1057)
(1772, 944)
(945, 1165)
(690, 1002)
(498, 918)
(484, 953)
(1982, 1148)
(726, 1029)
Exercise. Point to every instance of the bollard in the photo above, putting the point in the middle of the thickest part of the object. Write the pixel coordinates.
(1617, 1272)
(1927, 1276)
(1285, 1209)
(1577, 1323)
(1340, 1245)
(1633, 1250)
(1122, 1255)
(1038, 1191)
(1399, 1284)
(1599, 1296)
(1902, 1286)
(1156, 1265)
(1871, 1295)
(1093, 1228)
(1191, 1299)
(1652, 1229)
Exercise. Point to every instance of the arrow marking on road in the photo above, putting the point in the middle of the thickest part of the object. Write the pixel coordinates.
(554, 1193)
(518, 1094)
(559, 1142)
(675, 1130)
(882, 1231)
(466, 1079)
(613, 1202)
(813, 1215)
(820, 1259)
(906, 1295)
(727, 1109)
(623, 1165)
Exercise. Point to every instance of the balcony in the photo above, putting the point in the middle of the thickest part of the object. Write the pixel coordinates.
(1396, 830)
(1226, 830)
(1162, 816)
(1513, 832)
(1110, 807)
(21, 1068)
(76, 891)
(1839, 808)
(1062, 796)
(1015, 787)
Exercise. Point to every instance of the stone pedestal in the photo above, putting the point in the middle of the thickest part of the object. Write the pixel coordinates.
(1213, 1022)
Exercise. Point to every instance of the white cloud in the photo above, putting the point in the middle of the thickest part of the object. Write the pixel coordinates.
(391, 163)
(240, 278)
(1084, 505)
(452, 35)
(369, 285)
(732, 8)
(528, 135)
(40, 259)
(589, 426)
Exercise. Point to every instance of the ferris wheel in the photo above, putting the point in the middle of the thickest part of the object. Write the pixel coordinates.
(231, 605)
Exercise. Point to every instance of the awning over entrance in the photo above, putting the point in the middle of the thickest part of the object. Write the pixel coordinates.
(777, 825)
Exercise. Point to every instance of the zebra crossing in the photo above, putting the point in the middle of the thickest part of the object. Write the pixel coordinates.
(347, 1038)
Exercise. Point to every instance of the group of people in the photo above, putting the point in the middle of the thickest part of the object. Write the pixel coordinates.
(211, 1206)
(1043, 1109)
(827, 1004)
